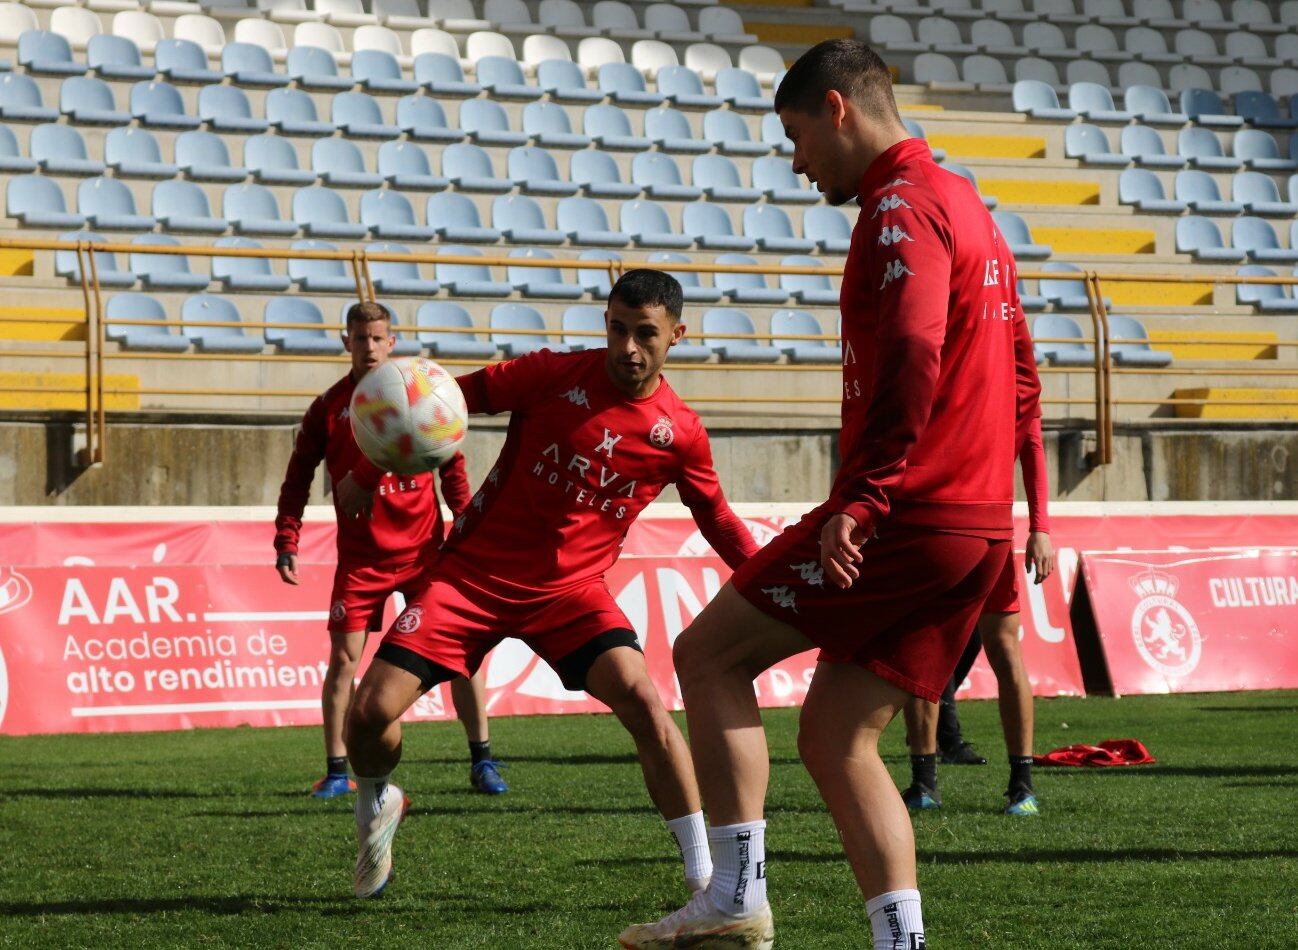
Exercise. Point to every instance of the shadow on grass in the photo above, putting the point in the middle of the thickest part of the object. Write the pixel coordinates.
(582, 759)
(486, 808)
(1247, 709)
(342, 905)
(1162, 771)
(145, 793)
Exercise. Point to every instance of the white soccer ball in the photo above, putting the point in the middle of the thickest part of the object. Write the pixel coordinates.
(408, 415)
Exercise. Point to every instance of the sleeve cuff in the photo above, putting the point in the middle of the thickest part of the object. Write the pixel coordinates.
(863, 514)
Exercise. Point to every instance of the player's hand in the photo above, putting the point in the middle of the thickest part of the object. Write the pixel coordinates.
(1041, 555)
(352, 498)
(286, 564)
(840, 550)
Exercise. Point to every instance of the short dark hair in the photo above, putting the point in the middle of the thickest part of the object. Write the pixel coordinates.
(643, 287)
(367, 311)
(851, 67)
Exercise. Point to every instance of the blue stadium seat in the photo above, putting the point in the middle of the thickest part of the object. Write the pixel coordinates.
(658, 175)
(691, 283)
(535, 171)
(469, 280)
(594, 281)
(564, 82)
(670, 131)
(741, 90)
(544, 282)
(322, 213)
(116, 57)
(1267, 298)
(247, 64)
(773, 136)
(1064, 293)
(455, 218)
(610, 128)
(719, 179)
(37, 202)
(1019, 237)
(165, 271)
(520, 317)
(521, 221)
(1057, 326)
(796, 323)
(226, 109)
(649, 226)
(1093, 102)
(1144, 145)
(597, 175)
(486, 123)
(1031, 302)
(747, 288)
(183, 61)
(388, 214)
(828, 228)
(1260, 152)
(809, 289)
(708, 225)
(1203, 149)
(583, 327)
(1090, 145)
(424, 120)
(1151, 106)
(379, 71)
(443, 76)
(246, 273)
(438, 314)
(300, 339)
(1205, 107)
(12, 160)
(141, 307)
(86, 100)
(60, 150)
(729, 133)
(134, 153)
(399, 277)
(774, 175)
(1038, 100)
(339, 163)
(320, 275)
(1258, 240)
(273, 161)
(1141, 188)
(405, 166)
(1199, 191)
(20, 100)
(107, 272)
(1259, 194)
(682, 87)
(1260, 110)
(546, 124)
(252, 209)
(503, 79)
(293, 112)
(182, 206)
(770, 227)
(203, 156)
(358, 115)
(160, 104)
(107, 203)
(40, 51)
(624, 83)
(1137, 351)
(230, 336)
(469, 169)
(724, 330)
(314, 68)
(584, 221)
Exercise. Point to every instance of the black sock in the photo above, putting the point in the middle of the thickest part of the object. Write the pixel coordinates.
(336, 764)
(479, 751)
(923, 771)
(1021, 772)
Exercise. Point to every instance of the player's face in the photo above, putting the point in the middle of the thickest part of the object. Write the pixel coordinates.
(369, 345)
(821, 149)
(638, 341)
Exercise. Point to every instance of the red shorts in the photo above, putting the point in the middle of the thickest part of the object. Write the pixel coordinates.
(361, 590)
(455, 623)
(1004, 596)
(907, 617)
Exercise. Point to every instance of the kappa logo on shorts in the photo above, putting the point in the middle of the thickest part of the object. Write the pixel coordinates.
(409, 621)
(338, 611)
(662, 434)
(895, 270)
(890, 203)
(811, 572)
(783, 597)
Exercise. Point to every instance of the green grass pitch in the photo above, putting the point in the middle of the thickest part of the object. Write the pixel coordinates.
(207, 839)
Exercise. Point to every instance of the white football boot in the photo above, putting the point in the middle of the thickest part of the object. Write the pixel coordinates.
(374, 856)
(700, 926)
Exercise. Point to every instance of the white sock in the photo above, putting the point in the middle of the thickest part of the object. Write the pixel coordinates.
(691, 837)
(738, 883)
(369, 796)
(896, 921)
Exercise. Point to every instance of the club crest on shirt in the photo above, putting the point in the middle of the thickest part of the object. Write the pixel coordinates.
(662, 434)
(409, 621)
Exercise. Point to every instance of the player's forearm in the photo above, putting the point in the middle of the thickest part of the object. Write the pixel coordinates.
(727, 533)
(1036, 483)
(455, 484)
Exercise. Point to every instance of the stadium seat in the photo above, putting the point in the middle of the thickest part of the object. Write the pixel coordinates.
(1199, 237)
(314, 68)
(535, 171)
(340, 164)
(1205, 107)
(618, 20)
(1258, 240)
(1136, 350)
(828, 228)
(75, 24)
(107, 272)
(1150, 105)
(670, 23)
(293, 112)
(610, 128)
(809, 289)
(1016, 233)
(182, 206)
(108, 204)
(398, 277)
(483, 43)
(1261, 111)
(160, 104)
(729, 332)
(1259, 194)
(1039, 101)
(469, 169)
(20, 100)
(405, 165)
(740, 89)
(542, 282)
(252, 209)
(521, 221)
(770, 227)
(1267, 298)
(520, 317)
(1038, 70)
(1198, 46)
(60, 150)
(546, 124)
(723, 25)
(469, 280)
(40, 51)
(247, 64)
(116, 57)
(1259, 151)
(312, 338)
(596, 51)
(708, 225)
(388, 214)
(540, 47)
(564, 18)
(719, 179)
(583, 327)
(1089, 144)
(939, 72)
(184, 61)
(649, 226)
(1236, 79)
(272, 159)
(437, 320)
(774, 175)
(203, 156)
(1064, 293)
(457, 15)
(691, 285)
(1056, 327)
(320, 275)
(144, 28)
(660, 178)
(264, 33)
(563, 81)
(1148, 45)
(15, 20)
(746, 287)
(358, 115)
(164, 271)
(442, 75)
(503, 79)
(940, 33)
(1199, 191)
(486, 123)
(623, 83)
(894, 34)
(322, 213)
(682, 87)
(584, 222)
(427, 40)
(1142, 188)
(374, 37)
(595, 281)
(133, 307)
(134, 153)
(226, 109)
(597, 175)
(1144, 145)
(203, 31)
(1203, 149)
(423, 120)
(1030, 303)
(763, 62)
(12, 161)
(729, 133)
(671, 132)
(379, 71)
(773, 135)
(230, 336)
(797, 323)
(986, 74)
(455, 218)
(1097, 41)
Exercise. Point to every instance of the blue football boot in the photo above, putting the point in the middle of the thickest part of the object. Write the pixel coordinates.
(332, 786)
(485, 777)
(919, 798)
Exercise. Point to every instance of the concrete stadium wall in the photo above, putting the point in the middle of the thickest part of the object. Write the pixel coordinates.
(215, 462)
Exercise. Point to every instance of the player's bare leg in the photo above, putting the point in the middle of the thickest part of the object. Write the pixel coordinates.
(921, 738)
(1000, 633)
(345, 648)
(469, 696)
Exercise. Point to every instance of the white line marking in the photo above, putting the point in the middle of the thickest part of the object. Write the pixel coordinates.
(158, 709)
(245, 616)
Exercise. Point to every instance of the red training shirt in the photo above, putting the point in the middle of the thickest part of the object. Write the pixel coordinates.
(939, 380)
(406, 519)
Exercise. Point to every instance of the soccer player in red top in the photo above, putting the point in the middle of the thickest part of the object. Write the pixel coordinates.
(594, 436)
(385, 552)
(888, 575)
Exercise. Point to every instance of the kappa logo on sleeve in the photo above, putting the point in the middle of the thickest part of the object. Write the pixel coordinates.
(577, 396)
(893, 234)
(898, 182)
(890, 203)
(895, 270)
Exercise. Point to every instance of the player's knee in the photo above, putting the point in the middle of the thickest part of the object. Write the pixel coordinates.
(689, 656)
(818, 753)
(367, 716)
(342, 665)
(636, 704)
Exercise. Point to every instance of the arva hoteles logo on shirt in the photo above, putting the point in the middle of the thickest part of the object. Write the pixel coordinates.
(590, 481)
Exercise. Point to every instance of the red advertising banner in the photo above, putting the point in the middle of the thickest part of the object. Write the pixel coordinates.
(1195, 621)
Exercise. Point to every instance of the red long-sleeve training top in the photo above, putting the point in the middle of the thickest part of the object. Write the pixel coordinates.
(1036, 484)
(939, 381)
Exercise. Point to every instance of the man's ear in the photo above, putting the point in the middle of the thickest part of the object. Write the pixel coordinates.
(837, 106)
(678, 333)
